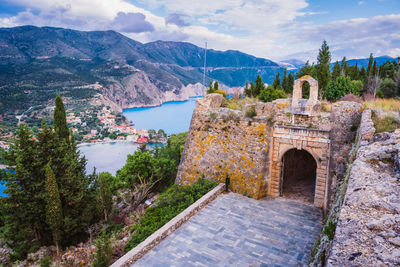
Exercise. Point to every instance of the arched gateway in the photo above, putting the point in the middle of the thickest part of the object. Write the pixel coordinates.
(282, 151)
(299, 171)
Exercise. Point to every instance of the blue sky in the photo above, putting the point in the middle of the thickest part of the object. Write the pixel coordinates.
(274, 29)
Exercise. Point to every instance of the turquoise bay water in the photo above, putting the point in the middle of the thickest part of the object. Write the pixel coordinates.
(108, 157)
(172, 117)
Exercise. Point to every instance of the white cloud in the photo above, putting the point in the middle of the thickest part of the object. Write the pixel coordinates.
(355, 37)
(395, 52)
(265, 28)
(361, 3)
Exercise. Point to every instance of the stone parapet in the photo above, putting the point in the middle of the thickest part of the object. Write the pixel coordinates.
(136, 253)
(368, 227)
(367, 129)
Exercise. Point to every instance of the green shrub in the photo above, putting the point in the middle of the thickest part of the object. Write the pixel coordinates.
(104, 251)
(251, 112)
(170, 203)
(45, 261)
(270, 93)
(222, 92)
(329, 229)
(341, 87)
(388, 88)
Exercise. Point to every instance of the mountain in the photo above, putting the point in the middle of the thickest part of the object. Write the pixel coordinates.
(364, 61)
(293, 63)
(46, 60)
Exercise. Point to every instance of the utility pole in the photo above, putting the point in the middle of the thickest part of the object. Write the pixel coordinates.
(205, 61)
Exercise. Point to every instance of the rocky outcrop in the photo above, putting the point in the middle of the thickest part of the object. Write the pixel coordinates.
(139, 90)
(368, 227)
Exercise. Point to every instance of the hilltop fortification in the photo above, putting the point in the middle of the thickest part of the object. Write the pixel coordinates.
(264, 146)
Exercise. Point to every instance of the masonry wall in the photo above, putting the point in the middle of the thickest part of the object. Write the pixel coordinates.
(224, 142)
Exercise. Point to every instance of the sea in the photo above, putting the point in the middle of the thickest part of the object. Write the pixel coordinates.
(172, 117)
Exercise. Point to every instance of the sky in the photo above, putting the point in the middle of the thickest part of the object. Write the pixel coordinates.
(272, 29)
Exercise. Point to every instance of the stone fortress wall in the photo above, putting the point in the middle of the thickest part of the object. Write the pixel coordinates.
(223, 142)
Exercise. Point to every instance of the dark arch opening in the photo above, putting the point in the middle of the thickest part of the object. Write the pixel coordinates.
(305, 90)
(299, 175)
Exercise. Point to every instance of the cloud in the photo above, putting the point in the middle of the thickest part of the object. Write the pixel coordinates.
(265, 28)
(131, 22)
(354, 37)
(177, 19)
(361, 3)
(395, 52)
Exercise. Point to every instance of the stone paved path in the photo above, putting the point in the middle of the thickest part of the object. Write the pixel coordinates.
(238, 231)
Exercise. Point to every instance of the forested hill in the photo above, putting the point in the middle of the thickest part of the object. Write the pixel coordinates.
(180, 60)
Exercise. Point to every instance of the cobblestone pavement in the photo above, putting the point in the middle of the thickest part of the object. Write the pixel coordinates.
(235, 230)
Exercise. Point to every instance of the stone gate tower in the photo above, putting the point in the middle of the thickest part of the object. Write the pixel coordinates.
(285, 148)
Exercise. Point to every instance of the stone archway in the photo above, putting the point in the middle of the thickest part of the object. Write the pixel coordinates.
(299, 171)
(301, 105)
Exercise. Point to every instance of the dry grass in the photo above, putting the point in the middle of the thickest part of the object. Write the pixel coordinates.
(389, 104)
(385, 123)
(239, 104)
(326, 106)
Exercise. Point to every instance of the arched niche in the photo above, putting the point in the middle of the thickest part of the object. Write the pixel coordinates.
(299, 104)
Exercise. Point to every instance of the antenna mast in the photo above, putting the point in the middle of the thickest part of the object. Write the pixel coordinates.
(205, 61)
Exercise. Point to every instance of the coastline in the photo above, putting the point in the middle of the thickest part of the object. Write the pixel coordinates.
(105, 142)
(158, 105)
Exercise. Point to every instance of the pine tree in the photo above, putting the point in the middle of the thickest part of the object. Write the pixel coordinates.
(105, 195)
(374, 69)
(259, 86)
(216, 87)
(253, 89)
(103, 256)
(210, 89)
(323, 73)
(60, 120)
(285, 81)
(53, 210)
(363, 74)
(290, 83)
(356, 73)
(23, 210)
(344, 67)
(370, 62)
(247, 90)
(336, 71)
(277, 82)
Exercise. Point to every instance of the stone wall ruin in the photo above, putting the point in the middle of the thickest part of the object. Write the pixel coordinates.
(224, 142)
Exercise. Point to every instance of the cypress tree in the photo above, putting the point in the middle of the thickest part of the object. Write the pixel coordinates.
(290, 83)
(374, 69)
(105, 195)
(253, 89)
(344, 67)
(216, 86)
(323, 73)
(60, 121)
(259, 86)
(277, 82)
(356, 73)
(247, 90)
(285, 81)
(363, 74)
(53, 210)
(23, 210)
(336, 71)
(370, 62)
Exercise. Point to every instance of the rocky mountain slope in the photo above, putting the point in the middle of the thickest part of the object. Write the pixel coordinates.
(44, 60)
